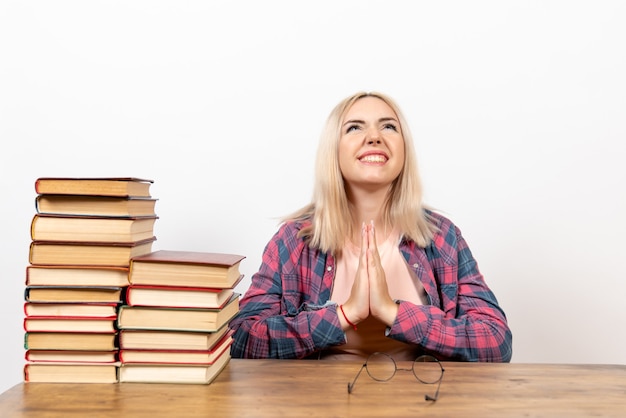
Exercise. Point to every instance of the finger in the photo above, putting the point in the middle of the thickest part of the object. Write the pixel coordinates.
(357, 303)
(364, 238)
(374, 257)
(363, 252)
(372, 230)
(361, 273)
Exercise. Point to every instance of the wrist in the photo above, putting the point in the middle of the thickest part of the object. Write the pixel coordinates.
(387, 314)
(346, 319)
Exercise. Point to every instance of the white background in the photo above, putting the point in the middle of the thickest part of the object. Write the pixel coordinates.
(518, 110)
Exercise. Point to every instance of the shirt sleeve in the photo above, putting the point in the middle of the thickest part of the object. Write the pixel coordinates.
(468, 324)
(275, 319)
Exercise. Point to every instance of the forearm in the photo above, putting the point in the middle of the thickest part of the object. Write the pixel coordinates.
(281, 335)
(471, 336)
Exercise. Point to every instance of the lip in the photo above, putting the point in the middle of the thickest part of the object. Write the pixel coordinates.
(370, 153)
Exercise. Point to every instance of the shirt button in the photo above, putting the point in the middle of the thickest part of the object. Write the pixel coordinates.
(329, 268)
(416, 265)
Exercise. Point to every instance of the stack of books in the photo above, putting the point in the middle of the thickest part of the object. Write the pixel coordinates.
(174, 325)
(84, 233)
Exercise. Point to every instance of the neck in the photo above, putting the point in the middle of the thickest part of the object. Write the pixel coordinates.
(368, 207)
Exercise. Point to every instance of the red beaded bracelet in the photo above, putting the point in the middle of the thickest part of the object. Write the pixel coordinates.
(346, 318)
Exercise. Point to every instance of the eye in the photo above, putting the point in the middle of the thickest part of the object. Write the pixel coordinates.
(390, 126)
(353, 127)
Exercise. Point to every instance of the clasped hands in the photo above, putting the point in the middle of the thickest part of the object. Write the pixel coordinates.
(369, 294)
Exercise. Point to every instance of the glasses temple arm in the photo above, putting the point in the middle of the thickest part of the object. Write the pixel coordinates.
(434, 398)
(351, 385)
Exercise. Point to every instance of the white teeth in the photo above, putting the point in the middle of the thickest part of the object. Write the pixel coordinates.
(374, 159)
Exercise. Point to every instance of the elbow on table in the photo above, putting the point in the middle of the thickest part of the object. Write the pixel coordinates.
(506, 348)
(495, 346)
(502, 351)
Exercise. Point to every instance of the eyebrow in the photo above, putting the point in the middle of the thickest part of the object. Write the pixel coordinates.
(387, 119)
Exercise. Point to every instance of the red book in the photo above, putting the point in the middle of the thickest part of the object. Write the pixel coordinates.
(177, 297)
(135, 339)
(185, 269)
(85, 310)
(70, 356)
(177, 319)
(76, 276)
(177, 356)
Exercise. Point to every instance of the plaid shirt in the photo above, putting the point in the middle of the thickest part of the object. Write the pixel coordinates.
(287, 312)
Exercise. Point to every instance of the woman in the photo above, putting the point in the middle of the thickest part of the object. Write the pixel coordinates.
(365, 266)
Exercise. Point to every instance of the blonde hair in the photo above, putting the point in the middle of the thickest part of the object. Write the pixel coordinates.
(328, 212)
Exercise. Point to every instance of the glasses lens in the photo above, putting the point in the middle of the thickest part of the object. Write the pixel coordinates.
(381, 367)
(427, 369)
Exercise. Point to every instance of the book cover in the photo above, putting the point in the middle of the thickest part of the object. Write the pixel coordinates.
(73, 294)
(177, 319)
(177, 297)
(69, 324)
(134, 339)
(174, 373)
(70, 341)
(153, 356)
(97, 186)
(191, 257)
(71, 372)
(71, 356)
(91, 228)
(56, 253)
(186, 269)
(50, 309)
(76, 276)
(86, 205)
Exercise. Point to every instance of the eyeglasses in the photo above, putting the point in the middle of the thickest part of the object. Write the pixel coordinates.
(382, 367)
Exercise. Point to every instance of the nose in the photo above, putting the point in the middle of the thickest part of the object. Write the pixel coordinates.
(373, 136)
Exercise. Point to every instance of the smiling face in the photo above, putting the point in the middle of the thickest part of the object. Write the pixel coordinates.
(371, 146)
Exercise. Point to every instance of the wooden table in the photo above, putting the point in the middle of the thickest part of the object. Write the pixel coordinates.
(308, 388)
